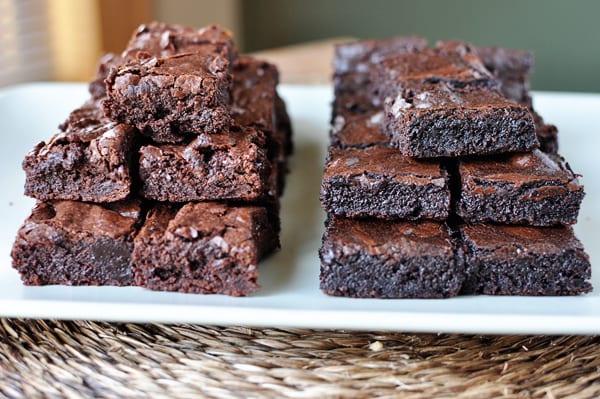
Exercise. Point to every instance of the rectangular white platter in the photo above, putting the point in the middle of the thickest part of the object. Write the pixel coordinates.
(290, 295)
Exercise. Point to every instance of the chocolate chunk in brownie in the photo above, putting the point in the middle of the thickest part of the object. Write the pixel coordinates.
(90, 160)
(380, 182)
(528, 188)
(404, 71)
(437, 120)
(173, 98)
(382, 259)
(359, 56)
(76, 243)
(233, 165)
(358, 131)
(203, 248)
(517, 260)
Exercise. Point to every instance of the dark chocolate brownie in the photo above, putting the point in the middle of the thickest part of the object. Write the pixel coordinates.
(171, 98)
(380, 182)
(89, 160)
(437, 120)
(382, 259)
(516, 260)
(527, 188)
(284, 124)
(405, 71)
(77, 243)
(203, 248)
(360, 55)
(233, 165)
(358, 131)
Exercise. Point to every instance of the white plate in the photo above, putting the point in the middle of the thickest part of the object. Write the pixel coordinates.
(290, 295)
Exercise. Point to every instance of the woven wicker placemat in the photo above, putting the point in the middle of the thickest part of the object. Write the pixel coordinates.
(117, 360)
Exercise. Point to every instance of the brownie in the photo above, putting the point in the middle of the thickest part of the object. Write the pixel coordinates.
(404, 71)
(232, 165)
(527, 188)
(77, 243)
(546, 134)
(382, 259)
(510, 67)
(97, 87)
(203, 248)
(518, 260)
(90, 160)
(163, 40)
(284, 125)
(171, 98)
(358, 131)
(437, 120)
(380, 182)
(359, 56)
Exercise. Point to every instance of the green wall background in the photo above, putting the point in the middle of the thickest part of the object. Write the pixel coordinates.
(565, 35)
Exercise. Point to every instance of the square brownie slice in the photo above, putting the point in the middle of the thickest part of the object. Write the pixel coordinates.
(90, 160)
(171, 99)
(382, 259)
(234, 166)
(518, 260)
(77, 243)
(204, 248)
(438, 120)
(529, 188)
(380, 182)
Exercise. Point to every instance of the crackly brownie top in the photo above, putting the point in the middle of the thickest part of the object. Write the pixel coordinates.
(253, 92)
(359, 55)
(433, 65)
(519, 169)
(160, 39)
(359, 131)
(106, 140)
(240, 138)
(382, 238)
(223, 225)
(506, 62)
(113, 220)
(441, 96)
(378, 161)
(511, 241)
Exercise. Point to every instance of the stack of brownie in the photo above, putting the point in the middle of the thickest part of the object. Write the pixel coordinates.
(442, 180)
(168, 177)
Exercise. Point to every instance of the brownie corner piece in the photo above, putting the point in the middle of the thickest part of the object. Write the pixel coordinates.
(204, 248)
(76, 243)
(90, 160)
(525, 188)
(522, 260)
(382, 259)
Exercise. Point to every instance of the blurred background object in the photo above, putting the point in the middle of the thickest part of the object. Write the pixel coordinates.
(62, 39)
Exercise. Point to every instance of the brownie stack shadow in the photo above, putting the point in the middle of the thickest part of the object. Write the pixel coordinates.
(168, 177)
(441, 179)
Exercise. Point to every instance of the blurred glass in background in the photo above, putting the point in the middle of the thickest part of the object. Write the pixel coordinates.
(63, 39)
